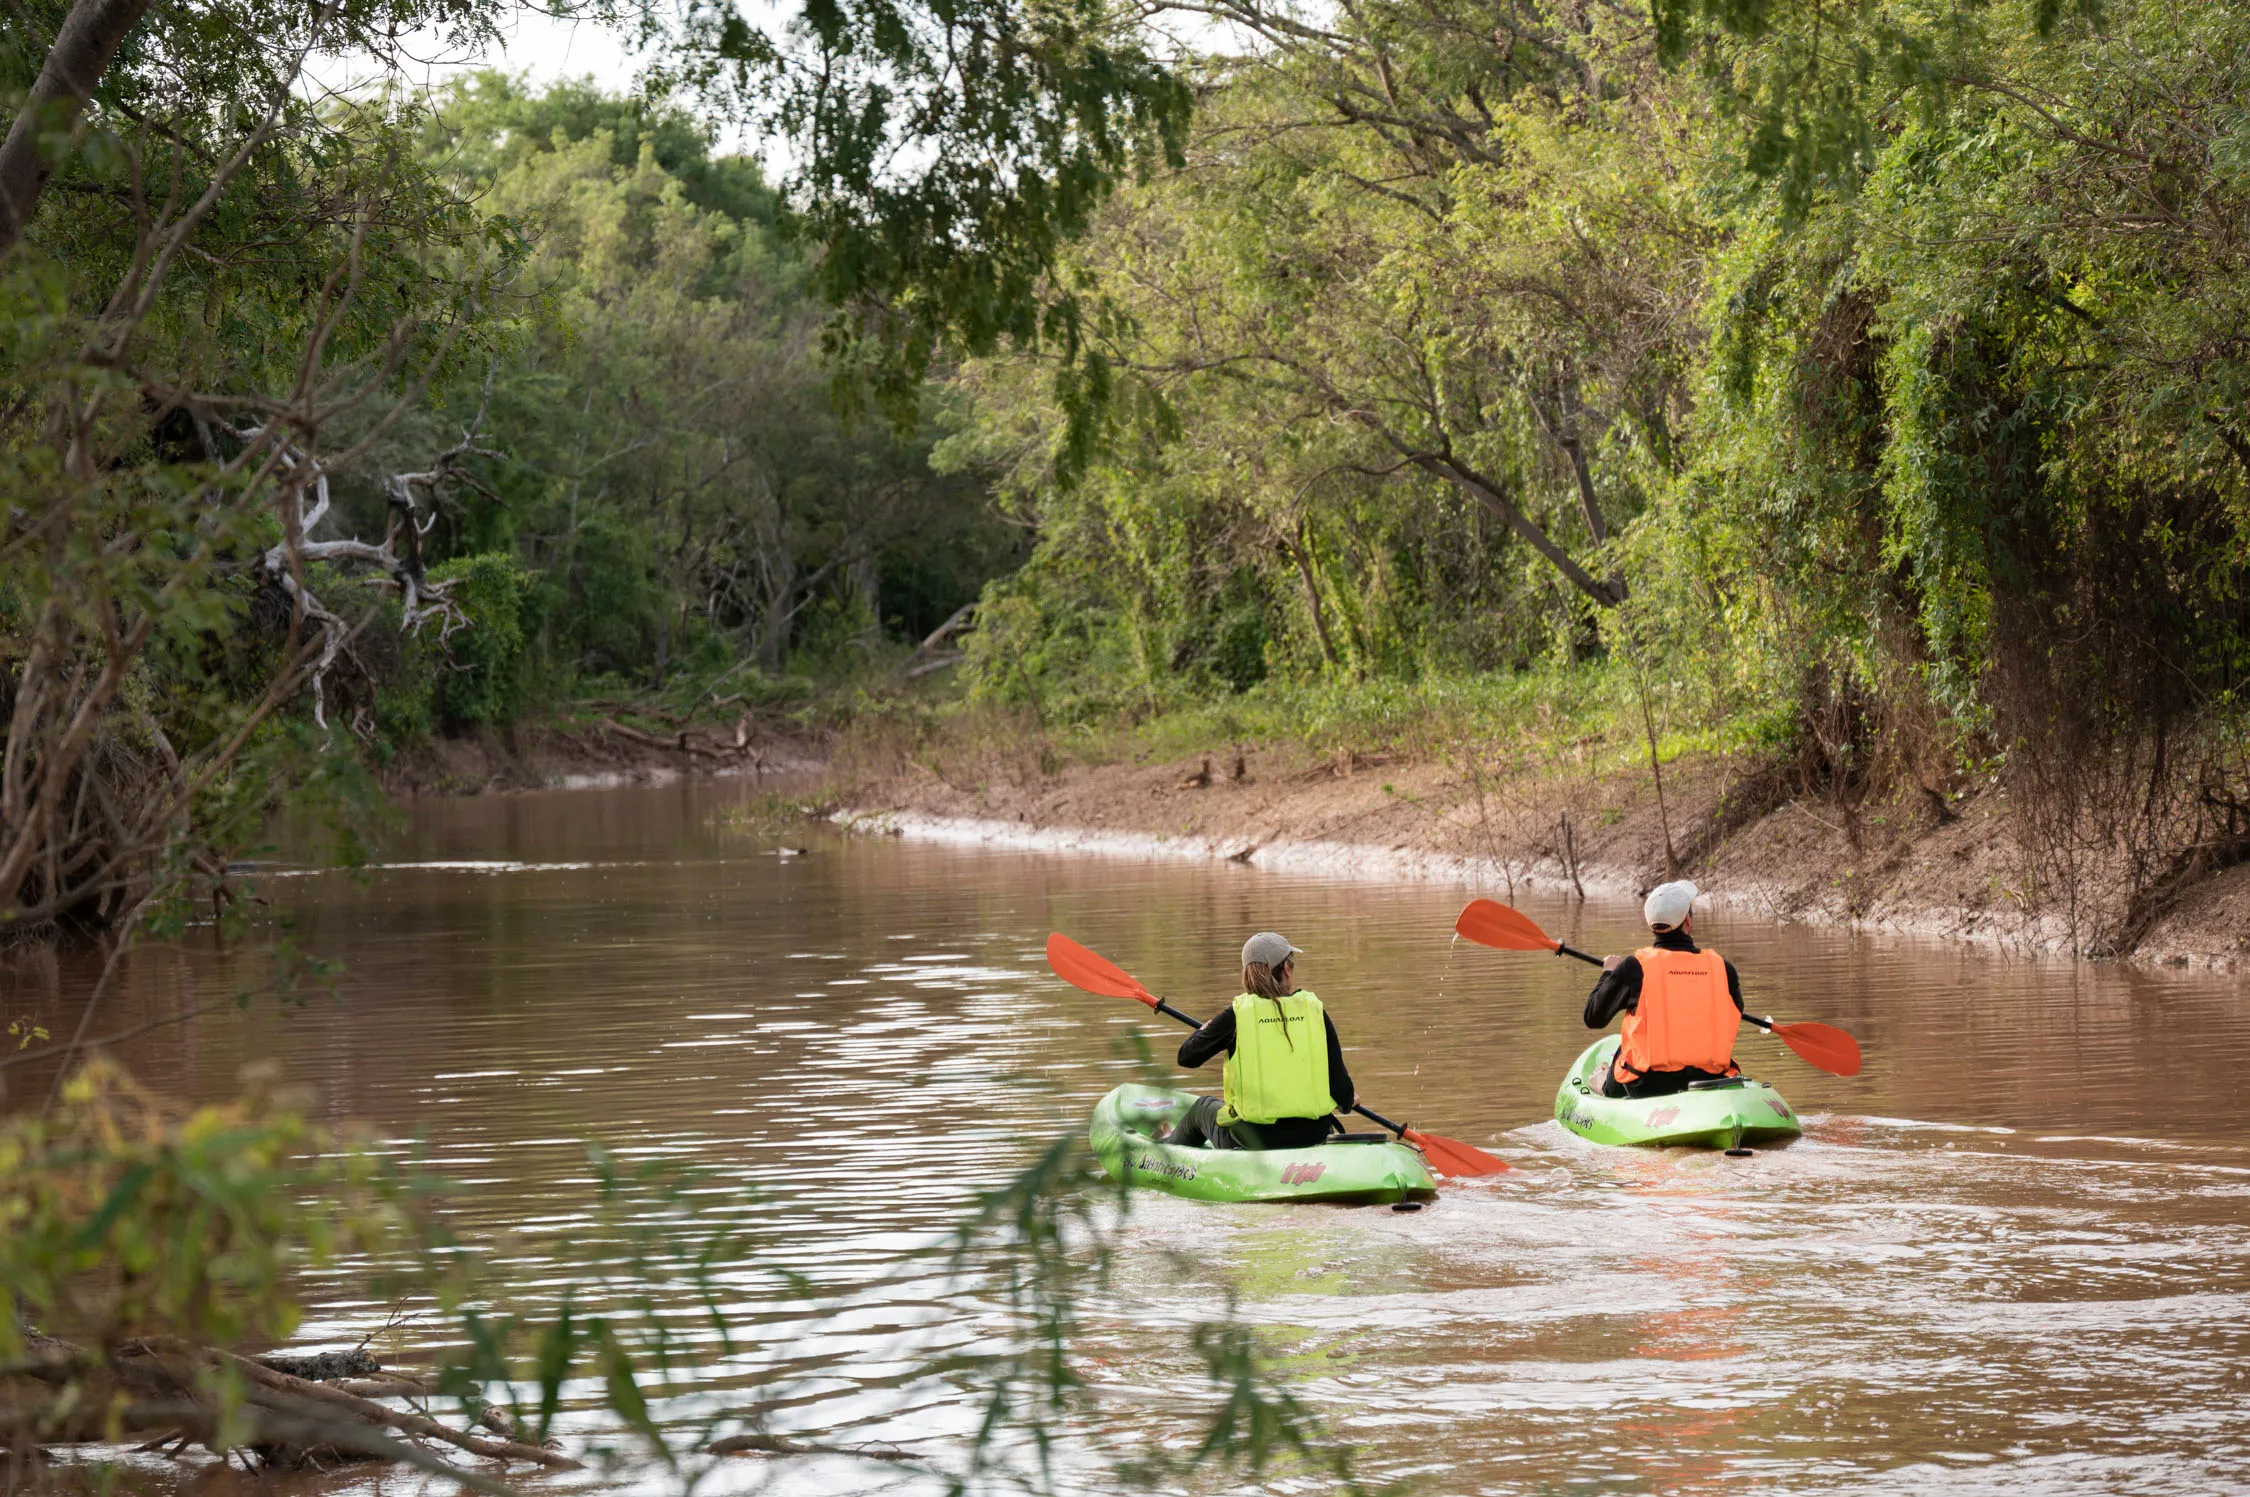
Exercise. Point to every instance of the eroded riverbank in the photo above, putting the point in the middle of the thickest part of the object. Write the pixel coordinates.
(1952, 864)
(1956, 864)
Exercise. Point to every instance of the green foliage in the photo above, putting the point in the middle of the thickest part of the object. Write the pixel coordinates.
(144, 1243)
(1815, 88)
(1872, 364)
(959, 149)
(1239, 637)
(1071, 663)
(490, 123)
(671, 470)
(1974, 420)
(119, 1219)
(1352, 405)
(214, 284)
(482, 681)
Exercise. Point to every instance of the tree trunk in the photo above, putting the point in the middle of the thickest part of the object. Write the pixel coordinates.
(90, 37)
(1564, 430)
(1301, 554)
(867, 585)
(772, 648)
(1496, 499)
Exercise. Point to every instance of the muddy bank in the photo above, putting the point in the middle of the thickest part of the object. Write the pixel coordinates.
(1948, 864)
(586, 753)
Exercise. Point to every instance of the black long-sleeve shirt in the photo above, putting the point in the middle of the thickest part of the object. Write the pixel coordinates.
(1618, 991)
(1217, 1036)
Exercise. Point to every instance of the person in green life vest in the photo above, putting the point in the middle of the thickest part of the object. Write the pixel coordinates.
(1285, 1068)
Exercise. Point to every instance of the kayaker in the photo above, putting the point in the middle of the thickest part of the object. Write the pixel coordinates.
(1285, 1066)
(1682, 1005)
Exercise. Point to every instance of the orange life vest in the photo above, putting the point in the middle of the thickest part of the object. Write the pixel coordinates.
(1685, 1016)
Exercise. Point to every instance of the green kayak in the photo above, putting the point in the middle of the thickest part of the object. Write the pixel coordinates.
(1728, 1114)
(1358, 1169)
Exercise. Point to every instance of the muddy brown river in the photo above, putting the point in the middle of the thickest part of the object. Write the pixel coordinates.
(2012, 1256)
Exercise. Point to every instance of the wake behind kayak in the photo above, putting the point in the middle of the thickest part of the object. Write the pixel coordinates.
(1356, 1169)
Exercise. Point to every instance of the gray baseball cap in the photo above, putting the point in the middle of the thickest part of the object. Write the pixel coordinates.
(1668, 905)
(1268, 948)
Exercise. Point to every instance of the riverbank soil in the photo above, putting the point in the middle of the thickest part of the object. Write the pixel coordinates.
(1951, 863)
(588, 750)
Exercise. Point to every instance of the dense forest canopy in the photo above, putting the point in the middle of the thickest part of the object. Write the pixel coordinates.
(1900, 379)
(671, 473)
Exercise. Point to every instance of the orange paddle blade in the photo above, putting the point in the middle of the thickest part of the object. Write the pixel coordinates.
(1450, 1156)
(1822, 1045)
(1081, 968)
(1491, 923)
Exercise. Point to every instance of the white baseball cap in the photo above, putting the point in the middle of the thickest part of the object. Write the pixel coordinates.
(1268, 948)
(1669, 904)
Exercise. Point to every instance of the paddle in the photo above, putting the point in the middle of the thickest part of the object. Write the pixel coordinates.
(1491, 923)
(1085, 969)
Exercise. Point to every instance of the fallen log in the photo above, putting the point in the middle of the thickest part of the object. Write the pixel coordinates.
(326, 1367)
(916, 663)
(683, 743)
(387, 1384)
(761, 1444)
(167, 1387)
(279, 1388)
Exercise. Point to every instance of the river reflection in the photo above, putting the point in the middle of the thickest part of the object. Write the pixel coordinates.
(2013, 1255)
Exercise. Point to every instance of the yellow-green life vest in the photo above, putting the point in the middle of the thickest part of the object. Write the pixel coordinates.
(1279, 1068)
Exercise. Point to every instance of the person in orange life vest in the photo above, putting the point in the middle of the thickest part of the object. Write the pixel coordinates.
(1285, 1066)
(1682, 1005)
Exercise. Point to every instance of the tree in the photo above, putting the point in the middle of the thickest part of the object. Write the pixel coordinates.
(676, 469)
(225, 291)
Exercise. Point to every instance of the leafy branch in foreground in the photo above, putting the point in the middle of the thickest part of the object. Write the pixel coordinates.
(149, 1248)
(948, 154)
(650, 1306)
(141, 1245)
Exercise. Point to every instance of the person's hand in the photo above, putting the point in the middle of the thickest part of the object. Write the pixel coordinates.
(1612, 963)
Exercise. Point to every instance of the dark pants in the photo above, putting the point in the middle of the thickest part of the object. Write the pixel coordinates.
(1201, 1128)
(1655, 1083)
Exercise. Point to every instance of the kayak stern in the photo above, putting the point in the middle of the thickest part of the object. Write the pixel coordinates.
(1343, 1172)
(1729, 1115)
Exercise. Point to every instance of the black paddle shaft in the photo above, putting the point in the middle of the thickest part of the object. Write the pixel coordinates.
(1163, 1006)
(1189, 1020)
(1564, 948)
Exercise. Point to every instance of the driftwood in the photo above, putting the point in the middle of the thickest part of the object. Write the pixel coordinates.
(386, 1384)
(688, 741)
(756, 1444)
(927, 657)
(935, 663)
(166, 1387)
(326, 1367)
(281, 1386)
(503, 1423)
